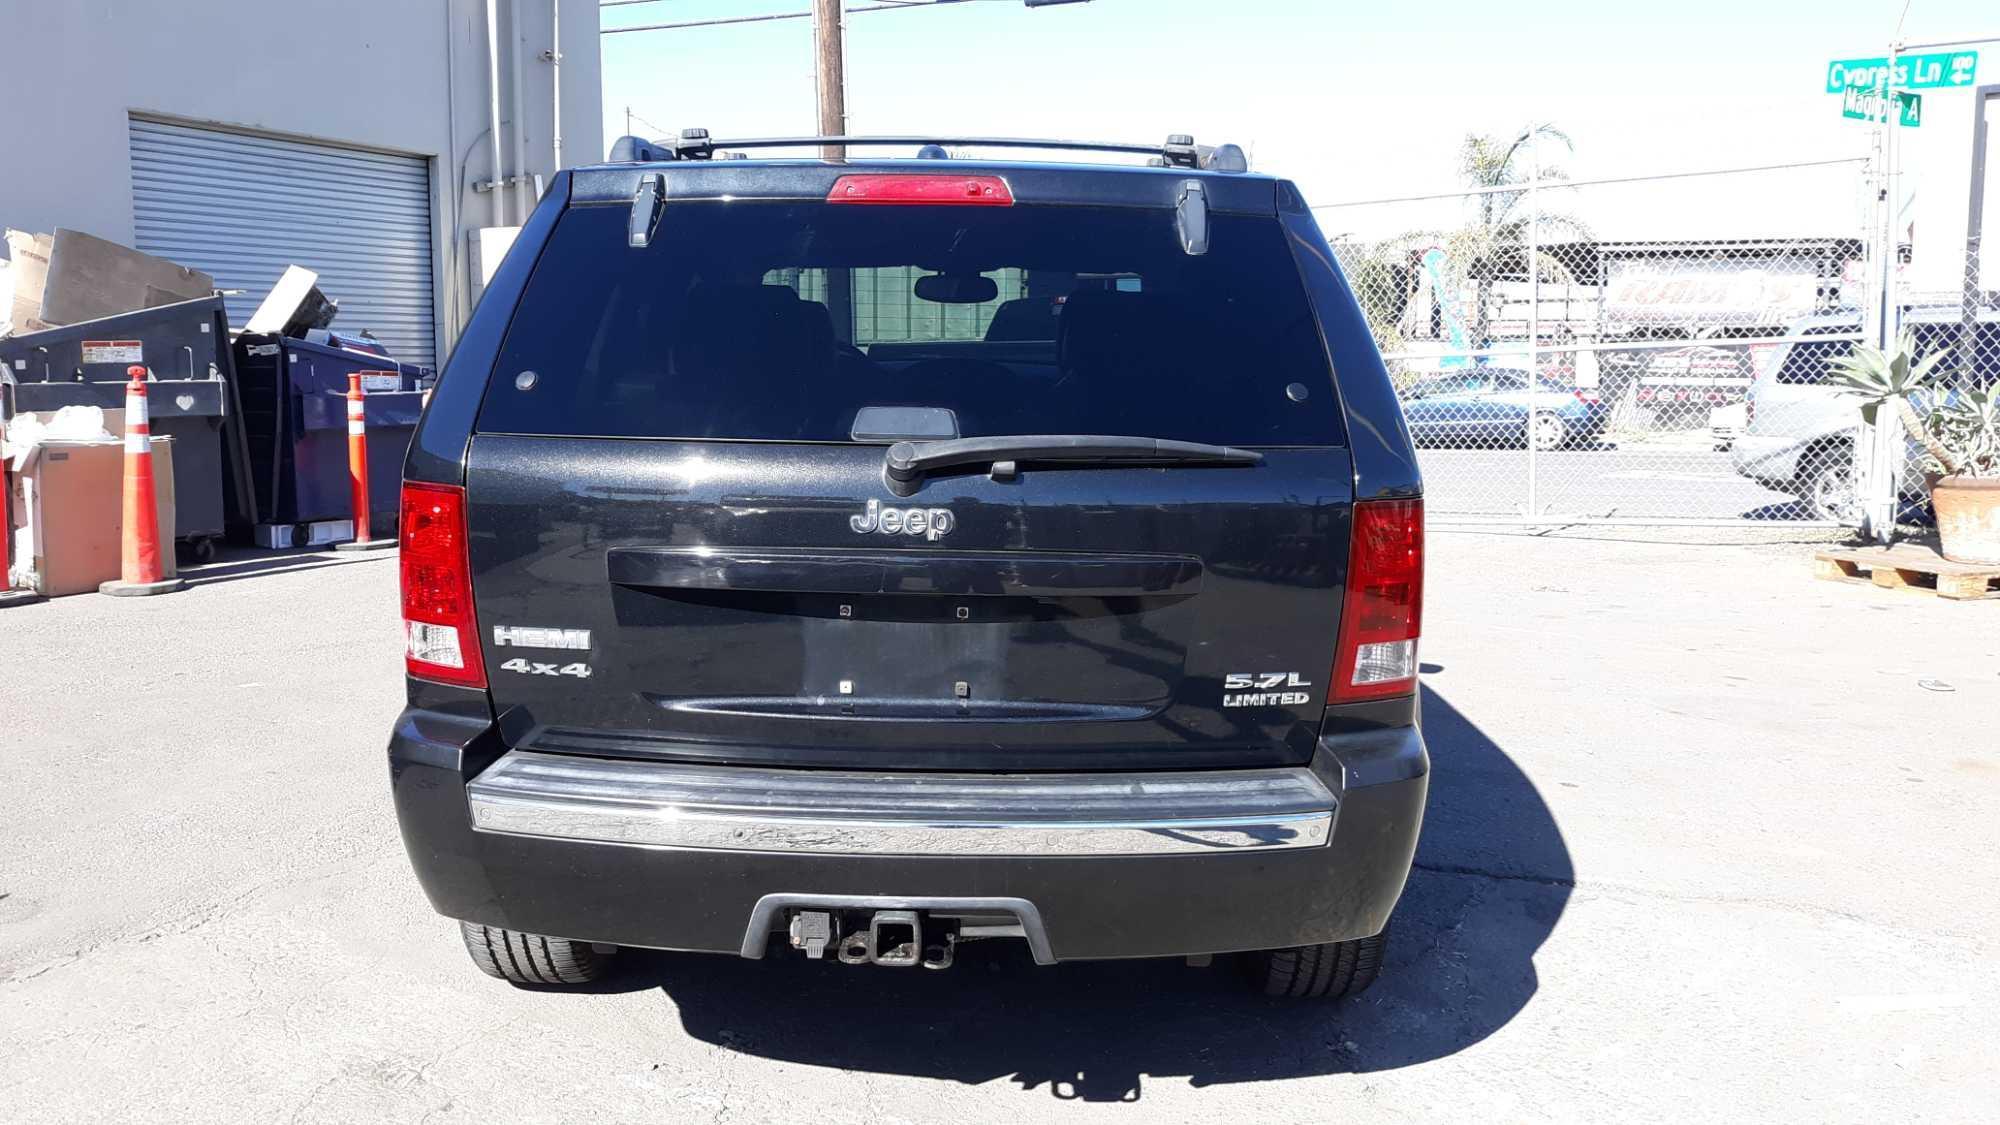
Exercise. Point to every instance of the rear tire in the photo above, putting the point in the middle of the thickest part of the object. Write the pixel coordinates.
(532, 958)
(1827, 485)
(1327, 971)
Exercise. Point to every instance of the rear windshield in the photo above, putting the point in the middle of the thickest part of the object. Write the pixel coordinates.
(781, 321)
(1809, 362)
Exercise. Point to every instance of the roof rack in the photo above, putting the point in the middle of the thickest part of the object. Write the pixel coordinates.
(1179, 151)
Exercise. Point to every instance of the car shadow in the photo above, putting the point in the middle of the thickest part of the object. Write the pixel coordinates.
(236, 565)
(1911, 512)
(1493, 877)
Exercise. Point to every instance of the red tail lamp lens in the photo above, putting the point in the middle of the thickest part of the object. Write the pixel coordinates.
(1383, 610)
(441, 635)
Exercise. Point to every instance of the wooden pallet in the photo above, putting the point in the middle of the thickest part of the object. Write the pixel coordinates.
(1909, 566)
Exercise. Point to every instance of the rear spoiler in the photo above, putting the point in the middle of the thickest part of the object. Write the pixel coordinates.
(681, 181)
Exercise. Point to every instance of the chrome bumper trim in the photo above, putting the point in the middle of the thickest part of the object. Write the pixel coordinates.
(659, 804)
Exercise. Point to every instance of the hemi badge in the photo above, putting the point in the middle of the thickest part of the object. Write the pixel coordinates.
(529, 636)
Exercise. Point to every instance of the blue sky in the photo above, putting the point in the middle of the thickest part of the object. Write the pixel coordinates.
(1354, 101)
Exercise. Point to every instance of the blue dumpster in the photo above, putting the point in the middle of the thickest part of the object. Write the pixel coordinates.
(295, 411)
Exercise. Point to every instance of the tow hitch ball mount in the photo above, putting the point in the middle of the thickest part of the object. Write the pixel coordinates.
(891, 937)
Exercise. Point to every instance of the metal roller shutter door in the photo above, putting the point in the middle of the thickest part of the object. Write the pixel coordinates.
(244, 207)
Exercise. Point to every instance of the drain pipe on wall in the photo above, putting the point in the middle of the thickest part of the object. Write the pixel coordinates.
(517, 107)
(500, 215)
(554, 55)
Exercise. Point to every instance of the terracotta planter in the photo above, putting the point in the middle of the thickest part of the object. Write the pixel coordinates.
(1968, 518)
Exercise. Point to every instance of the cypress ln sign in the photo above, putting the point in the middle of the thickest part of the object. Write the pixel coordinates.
(1864, 104)
(1913, 72)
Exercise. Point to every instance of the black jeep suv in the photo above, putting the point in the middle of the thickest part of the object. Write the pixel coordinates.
(870, 556)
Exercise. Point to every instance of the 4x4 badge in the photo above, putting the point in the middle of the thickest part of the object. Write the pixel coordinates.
(931, 523)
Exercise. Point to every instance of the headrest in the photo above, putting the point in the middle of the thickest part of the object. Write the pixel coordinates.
(1023, 318)
(752, 328)
(1108, 328)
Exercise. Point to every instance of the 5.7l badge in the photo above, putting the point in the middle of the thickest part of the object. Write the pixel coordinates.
(1254, 689)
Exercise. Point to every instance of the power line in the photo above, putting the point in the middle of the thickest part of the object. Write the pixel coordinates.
(888, 6)
(1545, 184)
(658, 129)
(904, 3)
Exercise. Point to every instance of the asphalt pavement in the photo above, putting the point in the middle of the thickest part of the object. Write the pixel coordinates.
(1708, 840)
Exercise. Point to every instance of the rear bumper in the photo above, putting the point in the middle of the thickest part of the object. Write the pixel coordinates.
(1590, 421)
(1771, 460)
(680, 857)
(740, 808)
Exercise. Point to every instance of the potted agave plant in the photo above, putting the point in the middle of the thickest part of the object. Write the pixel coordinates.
(1958, 430)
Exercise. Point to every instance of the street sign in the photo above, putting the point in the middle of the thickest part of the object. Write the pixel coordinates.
(1863, 104)
(1913, 72)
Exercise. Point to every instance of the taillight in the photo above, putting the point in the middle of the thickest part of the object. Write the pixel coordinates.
(1383, 610)
(1587, 397)
(441, 637)
(1760, 358)
(951, 191)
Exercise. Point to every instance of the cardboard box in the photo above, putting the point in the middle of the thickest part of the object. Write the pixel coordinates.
(69, 512)
(29, 254)
(90, 277)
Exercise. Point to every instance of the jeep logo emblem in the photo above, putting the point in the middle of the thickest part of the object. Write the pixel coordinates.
(931, 523)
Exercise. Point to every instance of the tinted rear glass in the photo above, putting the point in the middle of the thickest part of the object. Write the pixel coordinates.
(1807, 363)
(780, 321)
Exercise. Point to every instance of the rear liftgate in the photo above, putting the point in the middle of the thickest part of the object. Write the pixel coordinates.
(802, 584)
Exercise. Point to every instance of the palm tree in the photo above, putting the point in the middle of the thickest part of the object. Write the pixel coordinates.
(1499, 232)
(1381, 277)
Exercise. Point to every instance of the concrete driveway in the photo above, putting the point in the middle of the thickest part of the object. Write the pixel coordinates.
(1628, 479)
(1700, 845)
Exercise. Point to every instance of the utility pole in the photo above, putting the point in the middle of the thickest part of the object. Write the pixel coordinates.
(1879, 478)
(830, 73)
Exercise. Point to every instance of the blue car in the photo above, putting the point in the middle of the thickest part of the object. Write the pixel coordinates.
(1492, 406)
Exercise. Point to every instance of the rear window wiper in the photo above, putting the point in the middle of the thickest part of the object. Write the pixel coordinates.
(907, 462)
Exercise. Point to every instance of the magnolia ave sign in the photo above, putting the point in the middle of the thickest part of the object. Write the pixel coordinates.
(1913, 72)
(1864, 104)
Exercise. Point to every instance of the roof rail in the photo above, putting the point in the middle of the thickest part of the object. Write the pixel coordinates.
(1179, 151)
(629, 149)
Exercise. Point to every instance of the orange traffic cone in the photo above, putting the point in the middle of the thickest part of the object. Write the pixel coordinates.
(357, 466)
(140, 571)
(8, 594)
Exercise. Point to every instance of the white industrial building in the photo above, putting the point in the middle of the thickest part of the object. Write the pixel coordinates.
(377, 142)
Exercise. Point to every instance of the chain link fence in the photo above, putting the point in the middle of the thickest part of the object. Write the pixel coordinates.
(1944, 299)
(1962, 329)
(1552, 369)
